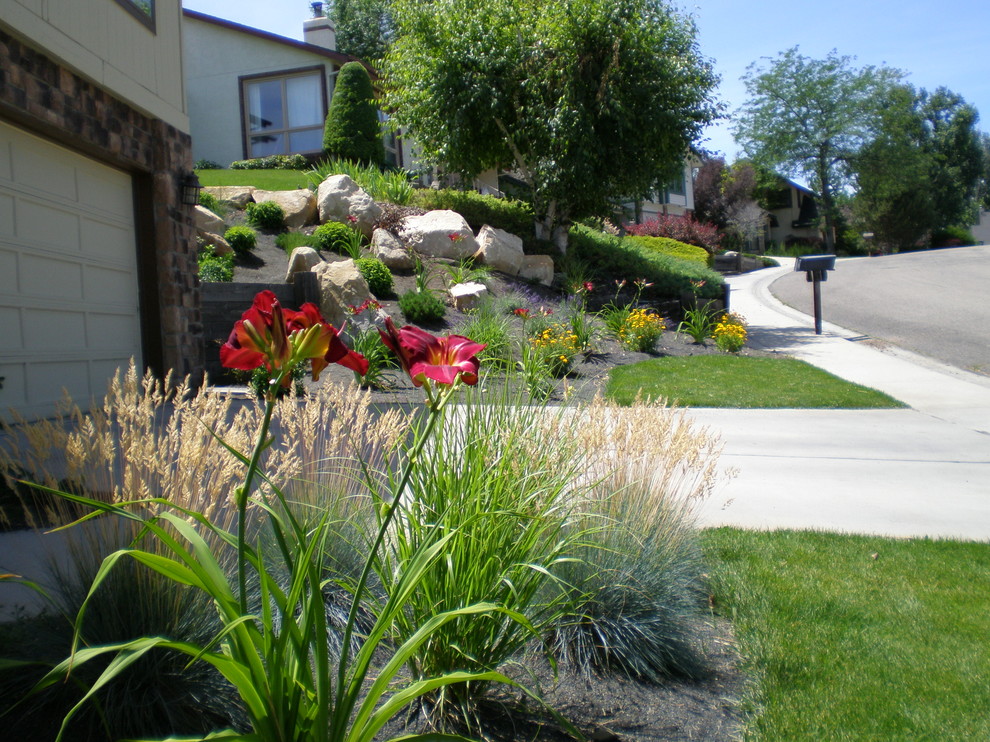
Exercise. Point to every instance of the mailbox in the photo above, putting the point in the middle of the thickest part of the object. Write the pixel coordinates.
(816, 269)
(815, 265)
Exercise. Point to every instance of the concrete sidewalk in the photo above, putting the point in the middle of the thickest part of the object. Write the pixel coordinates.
(923, 471)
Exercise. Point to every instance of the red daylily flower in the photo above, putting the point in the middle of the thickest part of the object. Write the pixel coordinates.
(427, 358)
(521, 312)
(270, 336)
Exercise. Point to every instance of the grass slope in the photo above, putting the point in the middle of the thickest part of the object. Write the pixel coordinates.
(739, 381)
(266, 180)
(855, 637)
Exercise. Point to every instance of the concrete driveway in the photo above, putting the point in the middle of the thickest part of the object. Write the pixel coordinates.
(936, 302)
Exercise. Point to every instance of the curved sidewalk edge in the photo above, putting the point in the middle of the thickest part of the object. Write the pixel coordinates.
(937, 389)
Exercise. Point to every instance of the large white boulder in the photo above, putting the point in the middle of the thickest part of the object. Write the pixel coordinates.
(339, 197)
(439, 234)
(239, 196)
(537, 268)
(500, 250)
(302, 259)
(220, 246)
(207, 221)
(387, 248)
(341, 286)
(299, 206)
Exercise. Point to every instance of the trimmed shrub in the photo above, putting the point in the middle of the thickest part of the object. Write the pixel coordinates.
(266, 215)
(618, 259)
(215, 268)
(377, 274)
(326, 236)
(272, 162)
(680, 228)
(241, 239)
(674, 248)
(207, 165)
(422, 307)
(952, 237)
(514, 217)
(352, 131)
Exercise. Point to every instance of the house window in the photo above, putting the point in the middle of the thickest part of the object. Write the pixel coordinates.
(393, 155)
(284, 114)
(143, 10)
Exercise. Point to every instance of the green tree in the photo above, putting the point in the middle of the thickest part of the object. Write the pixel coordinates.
(584, 100)
(953, 144)
(352, 130)
(364, 27)
(809, 118)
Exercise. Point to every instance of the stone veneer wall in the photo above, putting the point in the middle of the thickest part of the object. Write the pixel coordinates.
(43, 96)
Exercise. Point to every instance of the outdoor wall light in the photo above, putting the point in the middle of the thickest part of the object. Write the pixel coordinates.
(189, 189)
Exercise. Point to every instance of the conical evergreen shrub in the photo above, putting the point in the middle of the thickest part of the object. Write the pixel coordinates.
(352, 130)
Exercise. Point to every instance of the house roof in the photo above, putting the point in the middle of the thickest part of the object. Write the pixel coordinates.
(335, 56)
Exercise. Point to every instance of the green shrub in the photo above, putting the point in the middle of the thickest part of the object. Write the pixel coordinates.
(352, 130)
(272, 162)
(377, 274)
(266, 215)
(675, 249)
(422, 307)
(952, 237)
(202, 164)
(327, 236)
(241, 239)
(618, 259)
(215, 268)
(289, 241)
(209, 201)
(515, 217)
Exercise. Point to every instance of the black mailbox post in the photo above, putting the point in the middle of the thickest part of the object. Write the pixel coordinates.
(816, 269)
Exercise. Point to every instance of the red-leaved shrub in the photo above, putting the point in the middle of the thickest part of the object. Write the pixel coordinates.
(680, 228)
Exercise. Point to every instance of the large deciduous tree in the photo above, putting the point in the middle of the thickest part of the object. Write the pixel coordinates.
(809, 118)
(363, 27)
(584, 100)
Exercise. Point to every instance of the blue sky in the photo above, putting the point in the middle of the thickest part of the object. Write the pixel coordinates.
(942, 43)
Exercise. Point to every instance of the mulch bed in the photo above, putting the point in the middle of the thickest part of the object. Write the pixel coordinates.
(603, 708)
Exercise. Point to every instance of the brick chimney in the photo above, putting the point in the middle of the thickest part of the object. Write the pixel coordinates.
(319, 29)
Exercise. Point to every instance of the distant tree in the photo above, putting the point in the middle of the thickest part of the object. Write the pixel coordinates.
(953, 144)
(583, 100)
(364, 27)
(809, 118)
(725, 197)
(984, 193)
(352, 130)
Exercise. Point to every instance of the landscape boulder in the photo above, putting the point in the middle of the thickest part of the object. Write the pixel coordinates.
(339, 197)
(387, 248)
(341, 286)
(467, 295)
(220, 246)
(302, 259)
(439, 234)
(299, 206)
(537, 268)
(239, 196)
(500, 250)
(207, 221)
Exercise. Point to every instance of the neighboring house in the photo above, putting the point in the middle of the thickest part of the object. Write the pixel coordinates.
(252, 93)
(97, 253)
(981, 230)
(793, 214)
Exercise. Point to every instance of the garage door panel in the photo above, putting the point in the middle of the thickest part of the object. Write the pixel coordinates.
(8, 270)
(111, 287)
(49, 276)
(114, 332)
(14, 393)
(43, 225)
(49, 378)
(37, 167)
(6, 215)
(52, 330)
(107, 192)
(6, 166)
(11, 337)
(105, 241)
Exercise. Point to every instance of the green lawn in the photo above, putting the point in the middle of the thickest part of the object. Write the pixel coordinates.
(739, 381)
(268, 180)
(857, 638)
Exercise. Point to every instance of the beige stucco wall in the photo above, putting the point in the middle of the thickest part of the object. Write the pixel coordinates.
(110, 47)
(215, 57)
(981, 230)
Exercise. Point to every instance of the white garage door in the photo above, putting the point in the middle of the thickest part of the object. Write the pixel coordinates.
(68, 274)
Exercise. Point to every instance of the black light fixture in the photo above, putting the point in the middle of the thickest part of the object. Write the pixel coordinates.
(189, 189)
